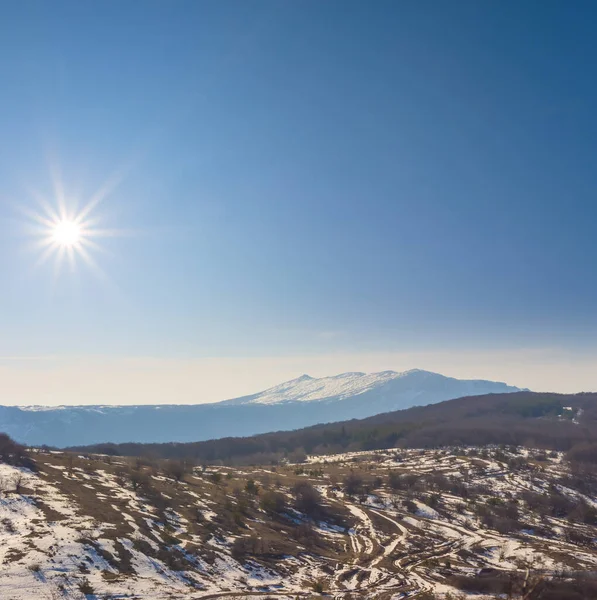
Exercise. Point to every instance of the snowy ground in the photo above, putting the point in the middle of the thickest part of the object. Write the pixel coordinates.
(87, 528)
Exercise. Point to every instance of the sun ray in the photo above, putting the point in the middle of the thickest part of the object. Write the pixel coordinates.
(108, 233)
(48, 251)
(60, 252)
(106, 189)
(59, 193)
(70, 254)
(89, 244)
(68, 232)
(92, 264)
(41, 220)
(49, 211)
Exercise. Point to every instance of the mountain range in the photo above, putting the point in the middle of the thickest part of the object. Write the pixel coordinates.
(291, 405)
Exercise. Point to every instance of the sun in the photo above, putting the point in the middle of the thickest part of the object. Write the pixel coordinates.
(67, 233)
(66, 236)
(69, 230)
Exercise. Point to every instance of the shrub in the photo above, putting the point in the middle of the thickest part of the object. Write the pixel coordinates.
(175, 469)
(85, 587)
(251, 545)
(273, 502)
(353, 484)
(307, 499)
(394, 481)
(298, 456)
(306, 535)
(8, 525)
(139, 480)
(10, 451)
(252, 487)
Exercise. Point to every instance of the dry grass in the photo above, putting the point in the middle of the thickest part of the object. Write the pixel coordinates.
(162, 511)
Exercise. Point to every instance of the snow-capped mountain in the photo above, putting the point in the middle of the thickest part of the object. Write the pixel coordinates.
(348, 385)
(306, 388)
(297, 403)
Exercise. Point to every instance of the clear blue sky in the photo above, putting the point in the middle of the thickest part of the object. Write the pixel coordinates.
(303, 177)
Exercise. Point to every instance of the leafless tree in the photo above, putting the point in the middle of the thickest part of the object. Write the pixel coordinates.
(18, 481)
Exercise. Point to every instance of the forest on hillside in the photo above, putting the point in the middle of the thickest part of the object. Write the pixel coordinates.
(549, 421)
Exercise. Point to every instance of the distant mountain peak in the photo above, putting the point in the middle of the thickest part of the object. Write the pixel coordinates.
(303, 377)
(351, 384)
(306, 388)
(293, 404)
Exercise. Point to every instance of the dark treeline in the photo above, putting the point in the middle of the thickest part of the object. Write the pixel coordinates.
(550, 421)
(12, 453)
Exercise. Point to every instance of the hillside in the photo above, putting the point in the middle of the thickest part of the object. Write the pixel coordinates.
(297, 403)
(552, 421)
(379, 525)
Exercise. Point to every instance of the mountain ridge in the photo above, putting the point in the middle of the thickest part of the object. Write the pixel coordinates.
(300, 402)
(338, 387)
(543, 420)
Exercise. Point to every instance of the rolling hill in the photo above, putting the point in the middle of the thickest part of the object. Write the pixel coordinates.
(538, 420)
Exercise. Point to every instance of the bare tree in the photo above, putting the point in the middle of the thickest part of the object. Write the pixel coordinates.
(18, 481)
(175, 469)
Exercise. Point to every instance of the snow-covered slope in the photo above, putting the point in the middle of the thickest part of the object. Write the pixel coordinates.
(298, 403)
(305, 388)
(348, 385)
(75, 533)
(96, 527)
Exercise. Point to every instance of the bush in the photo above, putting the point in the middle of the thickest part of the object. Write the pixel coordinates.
(139, 480)
(307, 499)
(8, 525)
(298, 456)
(306, 535)
(85, 587)
(394, 481)
(251, 545)
(173, 558)
(433, 500)
(12, 453)
(273, 502)
(252, 487)
(353, 484)
(175, 469)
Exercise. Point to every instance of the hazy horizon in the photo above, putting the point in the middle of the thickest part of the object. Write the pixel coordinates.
(56, 381)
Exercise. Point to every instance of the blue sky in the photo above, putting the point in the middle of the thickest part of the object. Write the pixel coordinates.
(306, 179)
